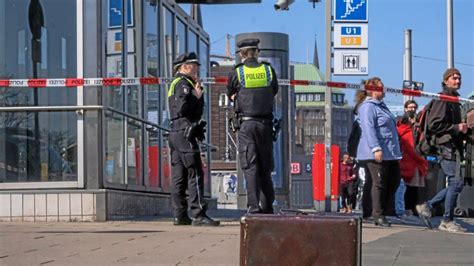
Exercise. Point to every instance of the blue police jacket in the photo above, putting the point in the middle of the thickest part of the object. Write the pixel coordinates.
(378, 131)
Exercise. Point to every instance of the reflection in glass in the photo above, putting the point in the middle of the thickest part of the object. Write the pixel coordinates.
(192, 42)
(168, 42)
(52, 157)
(114, 143)
(113, 96)
(155, 154)
(134, 153)
(152, 92)
(37, 146)
(180, 37)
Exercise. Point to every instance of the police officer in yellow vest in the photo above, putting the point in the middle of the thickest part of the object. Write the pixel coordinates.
(252, 86)
(186, 106)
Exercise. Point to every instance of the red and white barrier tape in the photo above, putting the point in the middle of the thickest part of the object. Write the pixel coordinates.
(88, 82)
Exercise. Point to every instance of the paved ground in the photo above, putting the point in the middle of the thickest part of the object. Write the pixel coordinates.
(154, 241)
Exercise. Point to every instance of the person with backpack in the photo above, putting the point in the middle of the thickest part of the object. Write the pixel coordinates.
(444, 125)
(413, 166)
(379, 149)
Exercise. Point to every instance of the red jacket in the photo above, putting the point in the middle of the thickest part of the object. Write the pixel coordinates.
(346, 174)
(411, 159)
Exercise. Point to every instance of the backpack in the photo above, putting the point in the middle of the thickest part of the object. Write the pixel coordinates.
(424, 139)
(354, 138)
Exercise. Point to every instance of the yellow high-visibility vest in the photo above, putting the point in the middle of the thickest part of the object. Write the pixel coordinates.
(254, 77)
(175, 81)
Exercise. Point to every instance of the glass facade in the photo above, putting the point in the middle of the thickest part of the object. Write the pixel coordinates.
(36, 41)
(44, 146)
(167, 33)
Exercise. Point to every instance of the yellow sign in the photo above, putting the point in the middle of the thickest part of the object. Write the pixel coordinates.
(350, 41)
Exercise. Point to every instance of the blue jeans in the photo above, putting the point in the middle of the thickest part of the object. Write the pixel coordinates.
(400, 198)
(450, 193)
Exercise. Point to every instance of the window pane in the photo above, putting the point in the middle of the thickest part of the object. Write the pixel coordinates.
(49, 156)
(192, 42)
(180, 37)
(168, 45)
(38, 146)
(114, 143)
(134, 153)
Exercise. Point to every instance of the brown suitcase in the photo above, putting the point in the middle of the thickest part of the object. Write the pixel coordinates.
(326, 239)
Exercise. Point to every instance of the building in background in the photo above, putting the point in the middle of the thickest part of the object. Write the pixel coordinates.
(309, 112)
(222, 111)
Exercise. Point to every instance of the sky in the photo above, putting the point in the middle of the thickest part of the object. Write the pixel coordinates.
(388, 20)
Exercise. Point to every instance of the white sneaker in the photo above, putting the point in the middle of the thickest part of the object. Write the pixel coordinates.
(424, 213)
(451, 227)
(423, 210)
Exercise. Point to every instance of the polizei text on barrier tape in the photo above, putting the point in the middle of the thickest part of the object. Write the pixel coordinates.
(133, 81)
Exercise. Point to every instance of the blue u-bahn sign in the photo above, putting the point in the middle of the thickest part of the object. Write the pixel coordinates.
(351, 10)
(115, 13)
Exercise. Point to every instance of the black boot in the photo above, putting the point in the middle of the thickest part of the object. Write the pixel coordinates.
(382, 221)
(182, 220)
(204, 220)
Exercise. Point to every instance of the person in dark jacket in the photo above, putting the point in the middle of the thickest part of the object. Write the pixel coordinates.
(186, 106)
(446, 126)
(252, 86)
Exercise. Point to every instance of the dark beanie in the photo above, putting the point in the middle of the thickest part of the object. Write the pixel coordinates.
(449, 72)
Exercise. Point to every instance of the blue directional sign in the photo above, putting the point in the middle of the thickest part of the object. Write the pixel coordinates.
(115, 13)
(351, 10)
(351, 30)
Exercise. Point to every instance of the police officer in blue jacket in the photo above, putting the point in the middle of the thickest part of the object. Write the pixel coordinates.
(186, 106)
(252, 86)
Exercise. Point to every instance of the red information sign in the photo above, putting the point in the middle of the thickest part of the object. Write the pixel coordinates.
(295, 168)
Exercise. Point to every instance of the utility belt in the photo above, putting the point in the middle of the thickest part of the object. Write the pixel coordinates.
(236, 122)
(238, 119)
(265, 121)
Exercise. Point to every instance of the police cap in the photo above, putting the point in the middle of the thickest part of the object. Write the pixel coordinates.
(249, 43)
(186, 58)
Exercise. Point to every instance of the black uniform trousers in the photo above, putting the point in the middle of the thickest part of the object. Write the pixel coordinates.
(385, 180)
(256, 161)
(186, 173)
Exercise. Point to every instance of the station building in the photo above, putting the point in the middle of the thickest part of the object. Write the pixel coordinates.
(89, 153)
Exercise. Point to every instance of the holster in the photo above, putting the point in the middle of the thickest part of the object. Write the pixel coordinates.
(196, 131)
(234, 123)
(276, 128)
